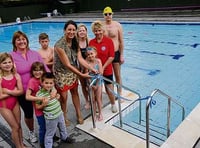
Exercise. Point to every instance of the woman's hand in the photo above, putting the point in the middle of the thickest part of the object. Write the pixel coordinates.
(86, 75)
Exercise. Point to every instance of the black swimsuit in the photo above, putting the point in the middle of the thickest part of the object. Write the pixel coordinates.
(117, 57)
(83, 51)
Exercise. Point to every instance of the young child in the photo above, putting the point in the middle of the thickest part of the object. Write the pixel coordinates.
(37, 70)
(97, 86)
(52, 111)
(10, 87)
(45, 51)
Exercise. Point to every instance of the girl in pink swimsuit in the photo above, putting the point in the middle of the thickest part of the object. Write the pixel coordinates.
(10, 87)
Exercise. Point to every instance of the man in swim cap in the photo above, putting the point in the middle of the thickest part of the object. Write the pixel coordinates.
(113, 29)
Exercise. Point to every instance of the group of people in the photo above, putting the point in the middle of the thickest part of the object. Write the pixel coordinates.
(39, 81)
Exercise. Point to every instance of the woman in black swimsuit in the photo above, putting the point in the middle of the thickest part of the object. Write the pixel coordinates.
(83, 44)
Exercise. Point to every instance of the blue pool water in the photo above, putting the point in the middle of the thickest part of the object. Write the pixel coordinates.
(163, 56)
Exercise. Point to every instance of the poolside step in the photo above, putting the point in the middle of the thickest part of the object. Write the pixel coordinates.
(156, 136)
(112, 135)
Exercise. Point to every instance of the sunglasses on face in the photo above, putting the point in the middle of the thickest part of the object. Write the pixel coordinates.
(106, 14)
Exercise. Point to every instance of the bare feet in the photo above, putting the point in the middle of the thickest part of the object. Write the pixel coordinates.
(67, 122)
(100, 117)
(80, 120)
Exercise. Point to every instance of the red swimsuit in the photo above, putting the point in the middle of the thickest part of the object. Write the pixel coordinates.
(10, 101)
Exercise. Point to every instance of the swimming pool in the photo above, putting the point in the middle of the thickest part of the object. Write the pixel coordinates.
(164, 56)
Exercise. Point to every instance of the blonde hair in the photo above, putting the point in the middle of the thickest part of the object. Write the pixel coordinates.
(97, 25)
(78, 28)
(91, 48)
(3, 57)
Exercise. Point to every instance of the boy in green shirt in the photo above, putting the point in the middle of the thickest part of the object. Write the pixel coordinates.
(52, 111)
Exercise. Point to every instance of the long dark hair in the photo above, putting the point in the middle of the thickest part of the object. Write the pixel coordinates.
(74, 40)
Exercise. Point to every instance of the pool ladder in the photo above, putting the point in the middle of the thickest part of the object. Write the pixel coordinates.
(168, 112)
(148, 104)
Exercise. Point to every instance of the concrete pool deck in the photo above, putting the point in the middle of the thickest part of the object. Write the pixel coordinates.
(191, 125)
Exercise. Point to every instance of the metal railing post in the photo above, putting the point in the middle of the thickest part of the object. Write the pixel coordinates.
(120, 110)
(117, 95)
(147, 123)
(119, 103)
(147, 117)
(92, 107)
(168, 117)
(140, 112)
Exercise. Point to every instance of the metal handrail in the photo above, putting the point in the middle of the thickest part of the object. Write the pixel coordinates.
(118, 96)
(168, 112)
(149, 101)
(119, 103)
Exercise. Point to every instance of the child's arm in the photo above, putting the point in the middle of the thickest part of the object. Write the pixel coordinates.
(2, 95)
(38, 105)
(30, 97)
(87, 71)
(54, 94)
(57, 96)
(41, 104)
(18, 89)
(31, 88)
(50, 60)
(100, 66)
